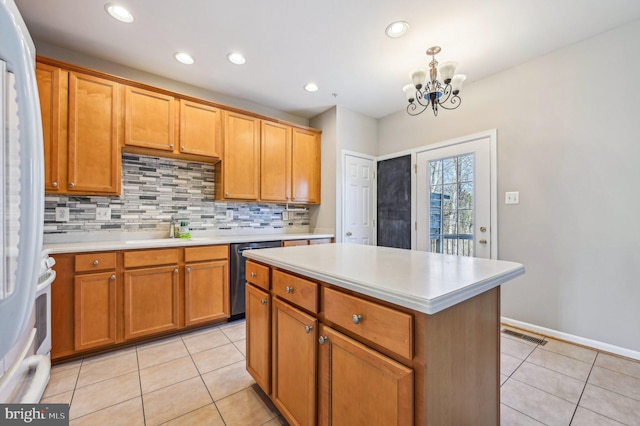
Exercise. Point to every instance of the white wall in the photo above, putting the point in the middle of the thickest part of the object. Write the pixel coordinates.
(323, 217)
(569, 140)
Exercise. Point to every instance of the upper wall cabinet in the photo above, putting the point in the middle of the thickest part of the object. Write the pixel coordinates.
(81, 119)
(200, 129)
(149, 119)
(305, 166)
(275, 162)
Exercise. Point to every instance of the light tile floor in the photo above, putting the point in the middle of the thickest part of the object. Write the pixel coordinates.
(199, 378)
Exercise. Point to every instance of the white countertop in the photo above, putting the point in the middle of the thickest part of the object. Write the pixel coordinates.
(135, 241)
(424, 282)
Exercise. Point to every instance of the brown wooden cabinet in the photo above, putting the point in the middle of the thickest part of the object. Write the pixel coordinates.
(305, 242)
(258, 314)
(294, 341)
(305, 167)
(81, 117)
(238, 176)
(358, 385)
(94, 310)
(149, 119)
(206, 284)
(275, 162)
(200, 129)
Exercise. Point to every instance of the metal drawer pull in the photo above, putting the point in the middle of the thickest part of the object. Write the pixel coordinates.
(263, 301)
(188, 270)
(253, 275)
(356, 318)
(288, 290)
(54, 184)
(113, 277)
(96, 262)
(323, 339)
(175, 271)
(71, 184)
(308, 328)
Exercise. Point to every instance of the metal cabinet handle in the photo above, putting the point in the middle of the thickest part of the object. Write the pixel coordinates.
(356, 318)
(71, 184)
(323, 339)
(175, 271)
(171, 146)
(54, 184)
(288, 290)
(226, 194)
(308, 328)
(253, 275)
(96, 262)
(263, 301)
(112, 277)
(188, 270)
(182, 148)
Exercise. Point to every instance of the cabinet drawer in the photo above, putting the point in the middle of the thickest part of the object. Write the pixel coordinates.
(296, 290)
(320, 241)
(95, 262)
(387, 327)
(291, 243)
(257, 274)
(198, 254)
(135, 259)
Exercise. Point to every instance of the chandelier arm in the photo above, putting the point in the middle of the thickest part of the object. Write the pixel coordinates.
(454, 102)
(416, 109)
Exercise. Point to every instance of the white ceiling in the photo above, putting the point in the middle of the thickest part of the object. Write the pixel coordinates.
(338, 44)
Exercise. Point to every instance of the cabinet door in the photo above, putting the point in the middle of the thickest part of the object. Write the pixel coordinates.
(206, 287)
(150, 301)
(200, 129)
(291, 243)
(275, 162)
(360, 386)
(49, 92)
(305, 167)
(258, 314)
(150, 119)
(294, 363)
(94, 114)
(241, 158)
(94, 310)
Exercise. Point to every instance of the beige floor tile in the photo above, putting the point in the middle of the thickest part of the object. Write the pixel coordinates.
(560, 363)
(158, 354)
(242, 346)
(61, 381)
(511, 417)
(108, 355)
(158, 342)
(66, 365)
(235, 332)
(609, 404)
(537, 404)
(227, 380)
(174, 401)
(549, 381)
(572, 351)
(615, 382)
(104, 394)
(278, 421)
(61, 398)
(584, 417)
(205, 416)
(503, 379)
(246, 408)
(515, 348)
(508, 364)
(107, 368)
(166, 374)
(128, 413)
(203, 341)
(621, 365)
(215, 358)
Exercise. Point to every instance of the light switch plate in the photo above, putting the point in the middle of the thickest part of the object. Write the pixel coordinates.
(512, 197)
(62, 214)
(229, 214)
(103, 213)
(285, 215)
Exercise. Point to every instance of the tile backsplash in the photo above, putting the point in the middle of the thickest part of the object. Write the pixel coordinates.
(154, 190)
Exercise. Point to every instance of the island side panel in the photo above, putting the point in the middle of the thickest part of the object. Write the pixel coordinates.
(460, 380)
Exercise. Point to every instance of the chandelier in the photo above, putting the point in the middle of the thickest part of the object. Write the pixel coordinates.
(422, 92)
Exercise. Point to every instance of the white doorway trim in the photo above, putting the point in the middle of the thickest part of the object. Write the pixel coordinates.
(374, 202)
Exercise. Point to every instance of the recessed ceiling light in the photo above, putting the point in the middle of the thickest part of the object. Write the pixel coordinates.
(184, 58)
(119, 13)
(397, 29)
(236, 58)
(311, 87)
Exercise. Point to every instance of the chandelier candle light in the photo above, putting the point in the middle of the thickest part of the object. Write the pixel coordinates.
(438, 94)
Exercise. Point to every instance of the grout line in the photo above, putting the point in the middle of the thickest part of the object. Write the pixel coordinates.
(583, 389)
(144, 414)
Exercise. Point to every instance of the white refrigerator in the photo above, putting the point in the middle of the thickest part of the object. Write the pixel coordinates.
(24, 374)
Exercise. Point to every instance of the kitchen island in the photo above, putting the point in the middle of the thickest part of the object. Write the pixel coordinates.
(351, 334)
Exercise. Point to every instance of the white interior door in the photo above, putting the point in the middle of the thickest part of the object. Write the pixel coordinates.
(359, 198)
(454, 199)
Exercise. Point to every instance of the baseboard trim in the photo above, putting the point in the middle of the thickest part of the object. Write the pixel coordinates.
(583, 341)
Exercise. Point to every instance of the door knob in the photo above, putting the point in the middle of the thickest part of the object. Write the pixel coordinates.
(483, 241)
(483, 229)
(349, 234)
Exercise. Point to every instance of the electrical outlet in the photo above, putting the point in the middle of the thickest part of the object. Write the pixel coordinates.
(229, 214)
(285, 215)
(512, 197)
(62, 214)
(103, 213)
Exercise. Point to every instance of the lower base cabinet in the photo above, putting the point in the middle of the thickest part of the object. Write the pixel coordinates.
(360, 386)
(258, 315)
(94, 310)
(206, 292)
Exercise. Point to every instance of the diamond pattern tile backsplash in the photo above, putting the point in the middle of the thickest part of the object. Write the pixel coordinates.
(154, 190)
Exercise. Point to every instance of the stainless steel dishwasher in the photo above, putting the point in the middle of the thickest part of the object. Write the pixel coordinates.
(237, 276)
